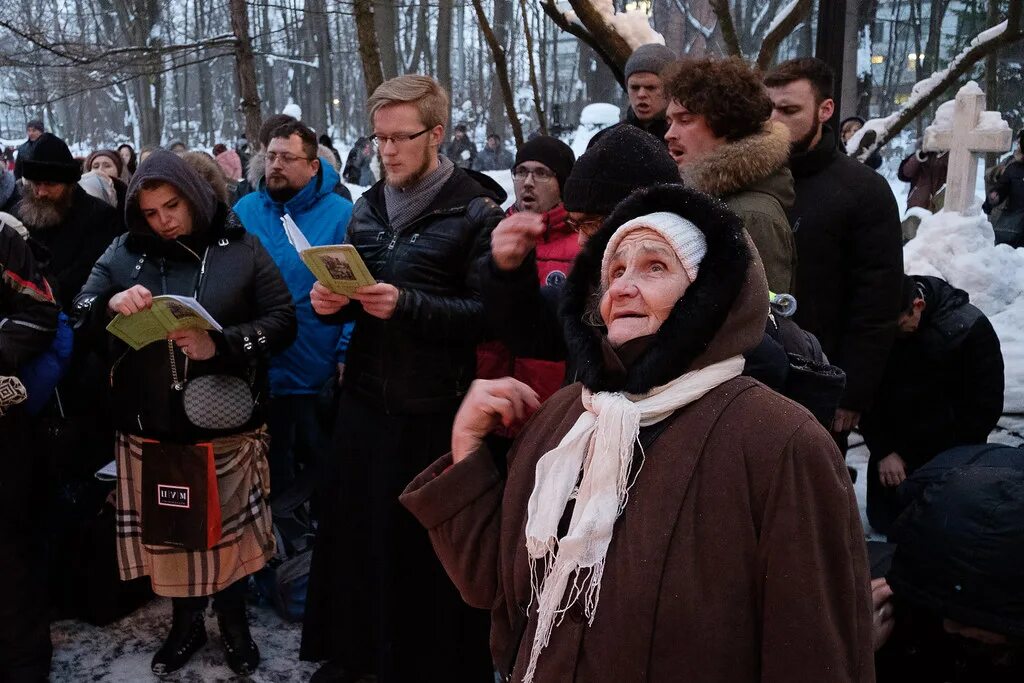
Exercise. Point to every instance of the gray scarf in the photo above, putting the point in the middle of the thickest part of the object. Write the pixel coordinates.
(405, 205)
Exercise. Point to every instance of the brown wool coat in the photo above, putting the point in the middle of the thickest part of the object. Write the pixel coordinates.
(739, 556)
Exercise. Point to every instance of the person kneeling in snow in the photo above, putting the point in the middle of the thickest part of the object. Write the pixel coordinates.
(942, 387)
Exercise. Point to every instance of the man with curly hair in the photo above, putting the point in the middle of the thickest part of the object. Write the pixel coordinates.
(723, 140)
(847, 229)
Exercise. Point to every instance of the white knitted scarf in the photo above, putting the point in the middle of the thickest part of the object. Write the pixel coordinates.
(600, 445)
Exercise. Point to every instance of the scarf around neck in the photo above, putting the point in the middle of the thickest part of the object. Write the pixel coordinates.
(405, 205)
(600, 445)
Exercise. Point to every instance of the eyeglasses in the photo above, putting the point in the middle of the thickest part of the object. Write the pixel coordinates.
(284, 157)
(587, 225)
(398, 138)
(540, 175)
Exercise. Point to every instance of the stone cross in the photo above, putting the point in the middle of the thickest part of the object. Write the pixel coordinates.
(973, 131)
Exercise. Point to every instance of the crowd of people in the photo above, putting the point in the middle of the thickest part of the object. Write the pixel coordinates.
(583, 438)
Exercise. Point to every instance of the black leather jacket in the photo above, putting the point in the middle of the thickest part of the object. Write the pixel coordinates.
(423, 359)
(232, 276)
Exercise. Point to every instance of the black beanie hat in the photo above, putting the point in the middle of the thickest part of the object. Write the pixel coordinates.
(51, 162)
(551, 152)
(624, 160)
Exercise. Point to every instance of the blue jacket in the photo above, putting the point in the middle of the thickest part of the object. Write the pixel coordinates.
(323, 217)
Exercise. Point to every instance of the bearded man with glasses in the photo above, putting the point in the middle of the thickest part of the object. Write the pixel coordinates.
(379, 603)
(539, 219)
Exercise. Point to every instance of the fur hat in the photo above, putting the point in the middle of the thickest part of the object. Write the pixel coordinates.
(551, 152)
(650, 58)
(683, 236)
(51, 162)
(624, 160)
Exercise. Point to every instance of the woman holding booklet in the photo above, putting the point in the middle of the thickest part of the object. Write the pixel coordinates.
(194, 306)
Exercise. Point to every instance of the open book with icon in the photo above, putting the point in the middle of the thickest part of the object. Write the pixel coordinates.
(168, 313)
(338, 267)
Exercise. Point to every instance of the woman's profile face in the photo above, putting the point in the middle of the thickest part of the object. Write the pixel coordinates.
(166, 211)
(643, 282)
(125, 153)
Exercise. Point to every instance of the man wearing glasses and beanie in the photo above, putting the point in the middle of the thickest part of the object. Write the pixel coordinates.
(379, 603)
(541, 168)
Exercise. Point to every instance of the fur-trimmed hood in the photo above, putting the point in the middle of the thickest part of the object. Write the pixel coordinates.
(722, 313)
(739, 165)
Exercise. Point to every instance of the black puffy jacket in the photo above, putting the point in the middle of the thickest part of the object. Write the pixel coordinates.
(422, 359)
(232, 276)
(942, 385)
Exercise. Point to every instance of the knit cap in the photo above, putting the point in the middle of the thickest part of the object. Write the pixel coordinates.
(624, 160)
(51, 161)
(650, 58)
(686, 239)
(551, 152)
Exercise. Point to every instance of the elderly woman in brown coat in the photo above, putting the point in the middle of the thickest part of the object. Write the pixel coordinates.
(668, 520)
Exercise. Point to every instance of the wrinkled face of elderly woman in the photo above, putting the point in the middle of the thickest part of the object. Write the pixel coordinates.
(643, 282)
(167, 212)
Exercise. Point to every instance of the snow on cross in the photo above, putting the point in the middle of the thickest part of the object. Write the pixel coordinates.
(973, 131)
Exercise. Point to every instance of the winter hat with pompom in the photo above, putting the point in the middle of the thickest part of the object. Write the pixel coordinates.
(685, 238)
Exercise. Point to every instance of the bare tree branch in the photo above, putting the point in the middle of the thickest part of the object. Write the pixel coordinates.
(971, 55)
(501, 69)
(581, 32)
(780, 32)
(729, 37)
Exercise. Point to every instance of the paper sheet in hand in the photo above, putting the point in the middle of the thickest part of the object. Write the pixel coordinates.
(336, 266)
(167, 314)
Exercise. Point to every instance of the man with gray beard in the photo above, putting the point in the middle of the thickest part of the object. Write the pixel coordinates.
(74, 227)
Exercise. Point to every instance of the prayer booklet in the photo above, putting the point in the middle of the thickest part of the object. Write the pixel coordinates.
(167, 314)
(338, 267)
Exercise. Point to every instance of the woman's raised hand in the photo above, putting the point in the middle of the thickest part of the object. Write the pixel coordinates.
(131, 300)
(490, 402)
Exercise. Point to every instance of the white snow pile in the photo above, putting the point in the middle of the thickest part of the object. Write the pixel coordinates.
(594, 117)
(961, 250)
(633, 24)
(293, 110)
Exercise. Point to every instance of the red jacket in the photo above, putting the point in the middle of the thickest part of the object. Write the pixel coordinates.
(555, 253)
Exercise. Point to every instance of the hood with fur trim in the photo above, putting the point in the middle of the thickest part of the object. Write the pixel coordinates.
(739, 165)
(722, 313)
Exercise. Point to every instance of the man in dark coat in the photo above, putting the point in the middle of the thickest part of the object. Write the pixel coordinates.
(34, 129)
(847, 229)
(942, 387)
(1009, 188)
(378, 601)
(957, 572)
(74, 227)
(461, 149)
(29, 313)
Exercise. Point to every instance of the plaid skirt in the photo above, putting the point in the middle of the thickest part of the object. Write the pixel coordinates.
(247, 540)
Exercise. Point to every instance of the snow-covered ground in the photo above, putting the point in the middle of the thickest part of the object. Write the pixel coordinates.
(121, 652)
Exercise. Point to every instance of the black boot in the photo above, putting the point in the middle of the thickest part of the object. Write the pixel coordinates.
(239, 648)
(188, 634)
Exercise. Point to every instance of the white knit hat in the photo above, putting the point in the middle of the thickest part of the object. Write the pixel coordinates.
(686, 239)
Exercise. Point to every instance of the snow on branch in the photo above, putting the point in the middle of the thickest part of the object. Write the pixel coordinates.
(926, 91)
(782, 25)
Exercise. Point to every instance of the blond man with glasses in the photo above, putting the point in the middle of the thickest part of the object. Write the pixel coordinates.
(379, 602)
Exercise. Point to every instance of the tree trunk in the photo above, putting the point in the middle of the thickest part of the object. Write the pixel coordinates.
(501, 72)
(931, 51)
(369, 50)
(386, 27)
(730, 40)
(991, 78)
(496, 34)
(774, 38)
(245, 70)
(444, 44)
(542, 122)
